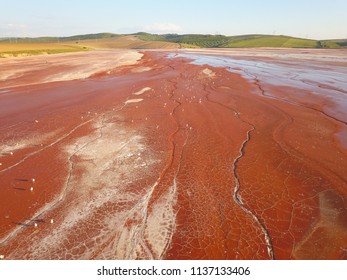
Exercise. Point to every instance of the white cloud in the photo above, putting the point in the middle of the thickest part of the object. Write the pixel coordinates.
(163, 27)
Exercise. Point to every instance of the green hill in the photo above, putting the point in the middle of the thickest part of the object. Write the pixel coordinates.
(337, 42)
(196, 40)
(272, 41)
(242, 41)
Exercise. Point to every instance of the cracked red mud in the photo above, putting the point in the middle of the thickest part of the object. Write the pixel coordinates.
(164, 159)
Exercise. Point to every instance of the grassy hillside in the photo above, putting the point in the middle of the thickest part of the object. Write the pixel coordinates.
(46, 45)
(242, 41)
(272, 41)
(338, 42)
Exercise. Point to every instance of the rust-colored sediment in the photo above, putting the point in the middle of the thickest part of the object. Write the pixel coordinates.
(164, 159)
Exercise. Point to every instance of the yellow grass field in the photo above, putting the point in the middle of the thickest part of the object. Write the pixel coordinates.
(27, 49)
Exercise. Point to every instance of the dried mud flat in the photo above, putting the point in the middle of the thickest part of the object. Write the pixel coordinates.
(182, 154)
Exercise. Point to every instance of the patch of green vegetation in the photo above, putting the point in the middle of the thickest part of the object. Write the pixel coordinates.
(204, 41)
(340, 43)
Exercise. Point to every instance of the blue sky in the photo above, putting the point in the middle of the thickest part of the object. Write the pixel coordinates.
(316, 19)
